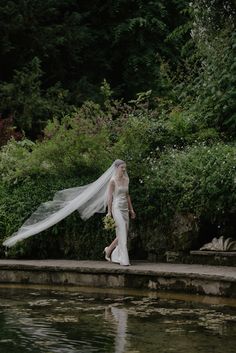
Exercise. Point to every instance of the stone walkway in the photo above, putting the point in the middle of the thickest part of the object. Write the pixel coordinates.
(138, 267)
(197, 279)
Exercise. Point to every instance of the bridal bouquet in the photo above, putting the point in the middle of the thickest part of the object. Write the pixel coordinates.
(109, 223)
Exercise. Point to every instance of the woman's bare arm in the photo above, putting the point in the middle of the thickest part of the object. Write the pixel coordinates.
(111, 188)
(130, 207)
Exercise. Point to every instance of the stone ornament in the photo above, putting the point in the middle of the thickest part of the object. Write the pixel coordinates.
(220, 244)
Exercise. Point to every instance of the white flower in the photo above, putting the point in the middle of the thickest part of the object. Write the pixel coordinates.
(45, 165)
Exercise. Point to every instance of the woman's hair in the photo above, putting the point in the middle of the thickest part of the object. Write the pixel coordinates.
(118, 162)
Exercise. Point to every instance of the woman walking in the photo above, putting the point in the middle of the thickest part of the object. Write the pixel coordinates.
(119, 207)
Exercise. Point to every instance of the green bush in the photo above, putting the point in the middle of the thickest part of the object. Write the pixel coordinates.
(206, 85)
(198, 183)
(73, 145)
(71, 238)
(178, 179)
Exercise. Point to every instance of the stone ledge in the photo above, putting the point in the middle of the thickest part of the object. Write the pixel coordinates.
(217, 258)
(214, 253)
(210, 280)
(118, 271)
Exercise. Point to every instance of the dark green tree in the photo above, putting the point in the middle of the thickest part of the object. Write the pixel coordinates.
(80, 43)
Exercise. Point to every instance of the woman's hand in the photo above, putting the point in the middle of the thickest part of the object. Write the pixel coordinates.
(132, 214)
(109, 214)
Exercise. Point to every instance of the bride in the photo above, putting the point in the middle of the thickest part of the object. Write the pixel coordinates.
(119, 206)
(110, 189)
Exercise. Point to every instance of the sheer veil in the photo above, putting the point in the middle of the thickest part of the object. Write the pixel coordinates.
(87, 200)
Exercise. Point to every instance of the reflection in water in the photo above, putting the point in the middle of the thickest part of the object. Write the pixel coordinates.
(120, 316)
(53, 321)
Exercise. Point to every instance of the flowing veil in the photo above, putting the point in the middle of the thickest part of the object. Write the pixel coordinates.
(87, 200)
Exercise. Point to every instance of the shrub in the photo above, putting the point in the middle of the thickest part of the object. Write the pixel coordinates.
(71, 238)
(198, 182)
(206, 90)
(181, 176)
(73, 145)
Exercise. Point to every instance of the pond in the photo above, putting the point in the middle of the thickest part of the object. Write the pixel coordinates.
(81, 320)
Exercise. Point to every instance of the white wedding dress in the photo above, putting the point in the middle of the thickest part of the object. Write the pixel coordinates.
(120, 214)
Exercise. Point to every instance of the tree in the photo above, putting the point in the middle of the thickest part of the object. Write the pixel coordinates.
(81, 43)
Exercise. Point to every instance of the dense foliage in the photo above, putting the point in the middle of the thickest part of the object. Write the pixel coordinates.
(177, 135)
(70, 46)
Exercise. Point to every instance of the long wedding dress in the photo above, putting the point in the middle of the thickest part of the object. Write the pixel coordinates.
(120, 214)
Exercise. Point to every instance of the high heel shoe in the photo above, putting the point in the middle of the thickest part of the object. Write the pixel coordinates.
(108, 258)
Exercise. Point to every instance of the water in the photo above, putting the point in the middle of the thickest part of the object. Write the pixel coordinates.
(72, 320)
